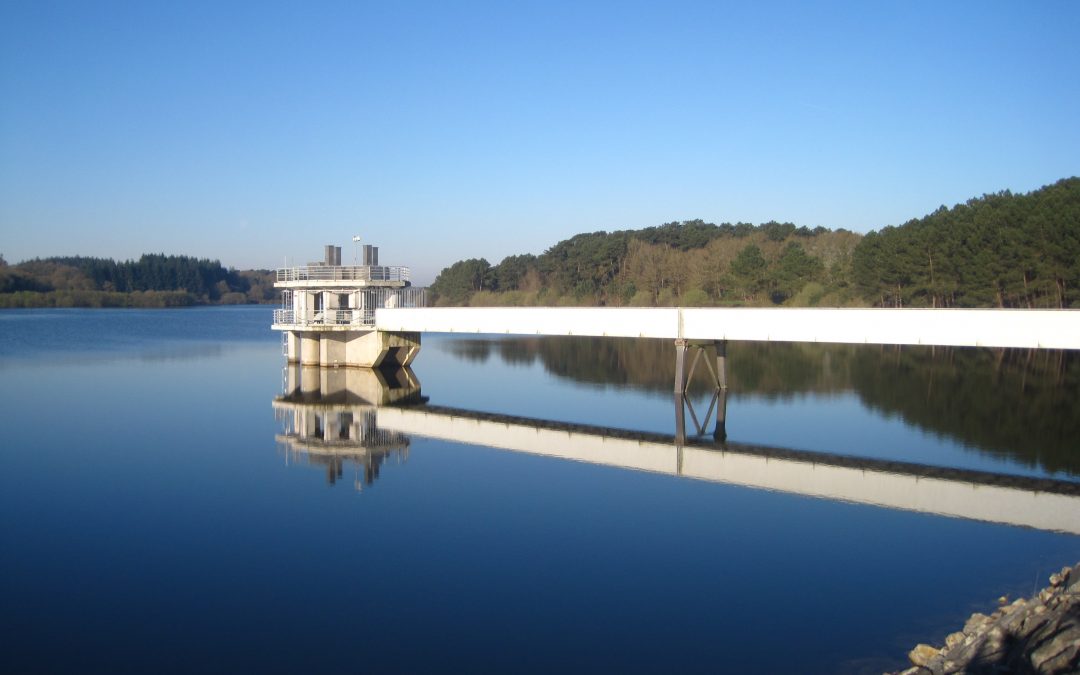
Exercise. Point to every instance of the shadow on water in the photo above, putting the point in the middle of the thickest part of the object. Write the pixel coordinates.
(1020, 405)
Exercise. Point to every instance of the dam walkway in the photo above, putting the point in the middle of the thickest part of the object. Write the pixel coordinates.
(1017, 328)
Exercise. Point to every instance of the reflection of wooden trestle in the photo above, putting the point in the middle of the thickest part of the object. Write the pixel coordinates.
(683, 377)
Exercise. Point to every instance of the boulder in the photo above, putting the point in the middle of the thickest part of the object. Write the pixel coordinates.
(922, 654)
(1037, 635)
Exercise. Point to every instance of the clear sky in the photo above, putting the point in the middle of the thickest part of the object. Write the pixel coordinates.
(252, 131)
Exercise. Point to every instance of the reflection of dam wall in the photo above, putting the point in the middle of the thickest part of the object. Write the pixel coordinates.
(1038, 503)
(336, 415)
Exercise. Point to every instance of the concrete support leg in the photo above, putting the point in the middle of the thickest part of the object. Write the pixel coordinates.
(332, 349)
(680, 419)
(309, 349)
(680, 392)
(680, 366)
(720, 432)
(721, 364)
(292, 346)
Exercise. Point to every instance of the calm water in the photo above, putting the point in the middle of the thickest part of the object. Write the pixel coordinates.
(164, 508)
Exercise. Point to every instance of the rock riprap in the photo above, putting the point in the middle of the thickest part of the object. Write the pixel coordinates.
(1035, 635)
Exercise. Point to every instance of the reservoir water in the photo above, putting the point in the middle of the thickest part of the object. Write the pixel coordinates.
(174, 500)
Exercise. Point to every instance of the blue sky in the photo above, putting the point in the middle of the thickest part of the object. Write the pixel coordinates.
(249, 132)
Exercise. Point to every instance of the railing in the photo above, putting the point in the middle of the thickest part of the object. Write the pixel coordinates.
(369, 298)
(325, 317)
(343, 273)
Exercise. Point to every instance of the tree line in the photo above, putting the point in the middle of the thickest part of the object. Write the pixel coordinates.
(154, 280)
(689, 262)
(1002, 249)
(998, 250)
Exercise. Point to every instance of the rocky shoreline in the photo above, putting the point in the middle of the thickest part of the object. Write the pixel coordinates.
(1040, 635)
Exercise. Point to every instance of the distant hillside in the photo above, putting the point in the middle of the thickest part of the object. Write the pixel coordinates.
(154, 280)
(1000, 250)
(689, 263)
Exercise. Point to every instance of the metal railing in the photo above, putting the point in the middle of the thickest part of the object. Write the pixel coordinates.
(343, 273)
(325, 317)
(371, 299)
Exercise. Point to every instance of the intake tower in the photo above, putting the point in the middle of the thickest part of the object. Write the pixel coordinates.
(327, 314)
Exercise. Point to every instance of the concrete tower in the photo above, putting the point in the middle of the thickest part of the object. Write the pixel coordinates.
(327, 312)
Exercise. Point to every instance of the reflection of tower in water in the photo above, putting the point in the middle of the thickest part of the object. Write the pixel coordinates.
(333, 438)
(328, 418)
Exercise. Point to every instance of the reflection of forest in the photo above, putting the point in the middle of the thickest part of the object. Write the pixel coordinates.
(1019, 404)
(772, 370)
